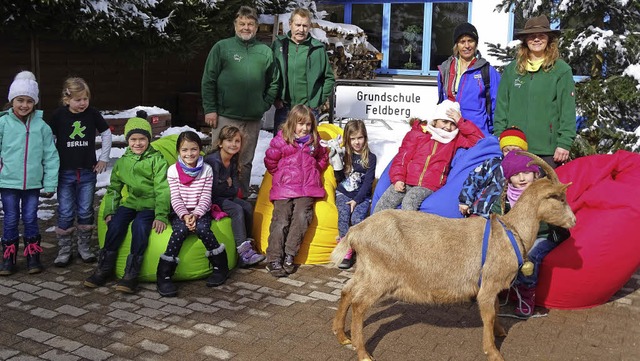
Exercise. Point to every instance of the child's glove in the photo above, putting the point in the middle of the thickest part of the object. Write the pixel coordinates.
(335, 152)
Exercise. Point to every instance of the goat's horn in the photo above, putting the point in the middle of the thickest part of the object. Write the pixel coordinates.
(551, 173)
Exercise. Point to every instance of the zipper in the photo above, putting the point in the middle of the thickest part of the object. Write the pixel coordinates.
(426, 164)
(27, 126)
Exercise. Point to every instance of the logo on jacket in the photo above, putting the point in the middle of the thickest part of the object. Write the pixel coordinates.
(237, 57)
(518, 83)
(78, 130)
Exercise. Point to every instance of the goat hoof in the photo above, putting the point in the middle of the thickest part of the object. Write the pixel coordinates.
(345, 342)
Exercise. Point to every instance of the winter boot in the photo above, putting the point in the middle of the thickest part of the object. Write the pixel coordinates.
(526, 301)
(166, 268)
(129, 282)
(9, 257)
(218, 260)
(276, 270)
(32, 251)
(247, 256)
(85, 232)
(64, 246)
(288, 264)
(349, 260)
(104, 269)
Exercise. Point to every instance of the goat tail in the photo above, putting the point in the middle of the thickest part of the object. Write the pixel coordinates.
(341, 249)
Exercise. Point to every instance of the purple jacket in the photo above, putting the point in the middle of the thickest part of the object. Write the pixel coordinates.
(296, 170)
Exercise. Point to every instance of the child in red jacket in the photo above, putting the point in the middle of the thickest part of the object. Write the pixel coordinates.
(423, 160)
(296, 160)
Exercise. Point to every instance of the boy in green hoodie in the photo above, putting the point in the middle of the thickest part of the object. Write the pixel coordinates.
(144, 171)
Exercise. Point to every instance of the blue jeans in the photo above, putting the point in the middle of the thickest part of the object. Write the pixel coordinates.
(117, 228)
(346, 218)
(14, 202)
(541, 248)
(75, 197)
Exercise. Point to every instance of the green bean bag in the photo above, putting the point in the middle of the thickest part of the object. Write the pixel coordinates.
(193, 263)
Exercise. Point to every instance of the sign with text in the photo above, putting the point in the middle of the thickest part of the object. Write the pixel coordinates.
(385, 101)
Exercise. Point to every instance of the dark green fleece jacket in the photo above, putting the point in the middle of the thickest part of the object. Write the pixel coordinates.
(305, 72)
(540, 103)
(239, 79)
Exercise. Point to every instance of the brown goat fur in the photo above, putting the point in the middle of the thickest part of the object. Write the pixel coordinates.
(424, 258)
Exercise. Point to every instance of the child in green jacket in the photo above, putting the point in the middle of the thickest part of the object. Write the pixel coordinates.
(144, 171)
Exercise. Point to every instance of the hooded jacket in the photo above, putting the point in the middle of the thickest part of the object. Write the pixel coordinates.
(471, 92)
(28, 155)
(239, 79)
(297, 170)
(542, 104)
(423, 161)
(317, 71)
(145, 176)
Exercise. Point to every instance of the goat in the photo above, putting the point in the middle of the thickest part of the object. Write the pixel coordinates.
(424, 258)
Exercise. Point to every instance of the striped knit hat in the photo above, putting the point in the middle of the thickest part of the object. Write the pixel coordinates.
(138, 124)
(513, 136)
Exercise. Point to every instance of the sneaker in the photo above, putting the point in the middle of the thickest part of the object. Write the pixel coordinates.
(247, 256)
(276, 270)
(348, 261)
(288, 265)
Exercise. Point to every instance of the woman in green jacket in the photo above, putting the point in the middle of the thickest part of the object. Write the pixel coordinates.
(536, 94)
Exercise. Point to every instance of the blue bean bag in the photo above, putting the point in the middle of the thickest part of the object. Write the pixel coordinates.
(193, 263)
(444, 202)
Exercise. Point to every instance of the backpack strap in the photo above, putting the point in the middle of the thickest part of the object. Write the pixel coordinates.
(486, 79)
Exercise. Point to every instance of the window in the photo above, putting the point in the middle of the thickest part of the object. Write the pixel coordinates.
(413, 36)
(369, 18)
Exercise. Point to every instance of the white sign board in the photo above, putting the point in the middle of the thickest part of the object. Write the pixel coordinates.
(385, 101)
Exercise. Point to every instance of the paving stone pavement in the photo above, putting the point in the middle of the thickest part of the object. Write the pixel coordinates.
(254, 316)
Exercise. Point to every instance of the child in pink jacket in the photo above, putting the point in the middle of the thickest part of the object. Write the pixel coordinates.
(296, 161)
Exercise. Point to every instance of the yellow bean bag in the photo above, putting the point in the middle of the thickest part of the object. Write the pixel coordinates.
(193, 263)
(320, 238)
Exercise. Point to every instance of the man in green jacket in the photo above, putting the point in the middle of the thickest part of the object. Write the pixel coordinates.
(305, 71)
(239, 84)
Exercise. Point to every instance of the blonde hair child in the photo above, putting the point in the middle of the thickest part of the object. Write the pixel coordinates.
(75, 125)
(296, 161)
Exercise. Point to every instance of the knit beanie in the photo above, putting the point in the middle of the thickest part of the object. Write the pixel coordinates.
(513, 136)
(465, 29)
(24, 84)
(441, 110)
(514, 163)
(138, 124)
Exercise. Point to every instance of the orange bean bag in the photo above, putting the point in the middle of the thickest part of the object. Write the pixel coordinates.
(604, 249)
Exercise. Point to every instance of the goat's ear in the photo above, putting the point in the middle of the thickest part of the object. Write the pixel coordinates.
(565, 186)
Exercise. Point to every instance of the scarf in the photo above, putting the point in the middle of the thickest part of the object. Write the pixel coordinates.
(303, 140)
(533, 66)
(187, 174)
(440, 135)
(513, 194)
(455, 74)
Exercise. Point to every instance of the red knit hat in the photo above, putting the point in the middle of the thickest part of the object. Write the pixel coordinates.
(513, 136)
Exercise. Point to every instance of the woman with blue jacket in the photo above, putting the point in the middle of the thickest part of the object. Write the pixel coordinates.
(469, 79)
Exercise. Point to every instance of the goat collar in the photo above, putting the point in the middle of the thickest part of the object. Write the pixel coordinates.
(485, 245)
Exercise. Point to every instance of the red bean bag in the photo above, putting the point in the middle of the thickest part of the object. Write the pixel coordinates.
(604, 249)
